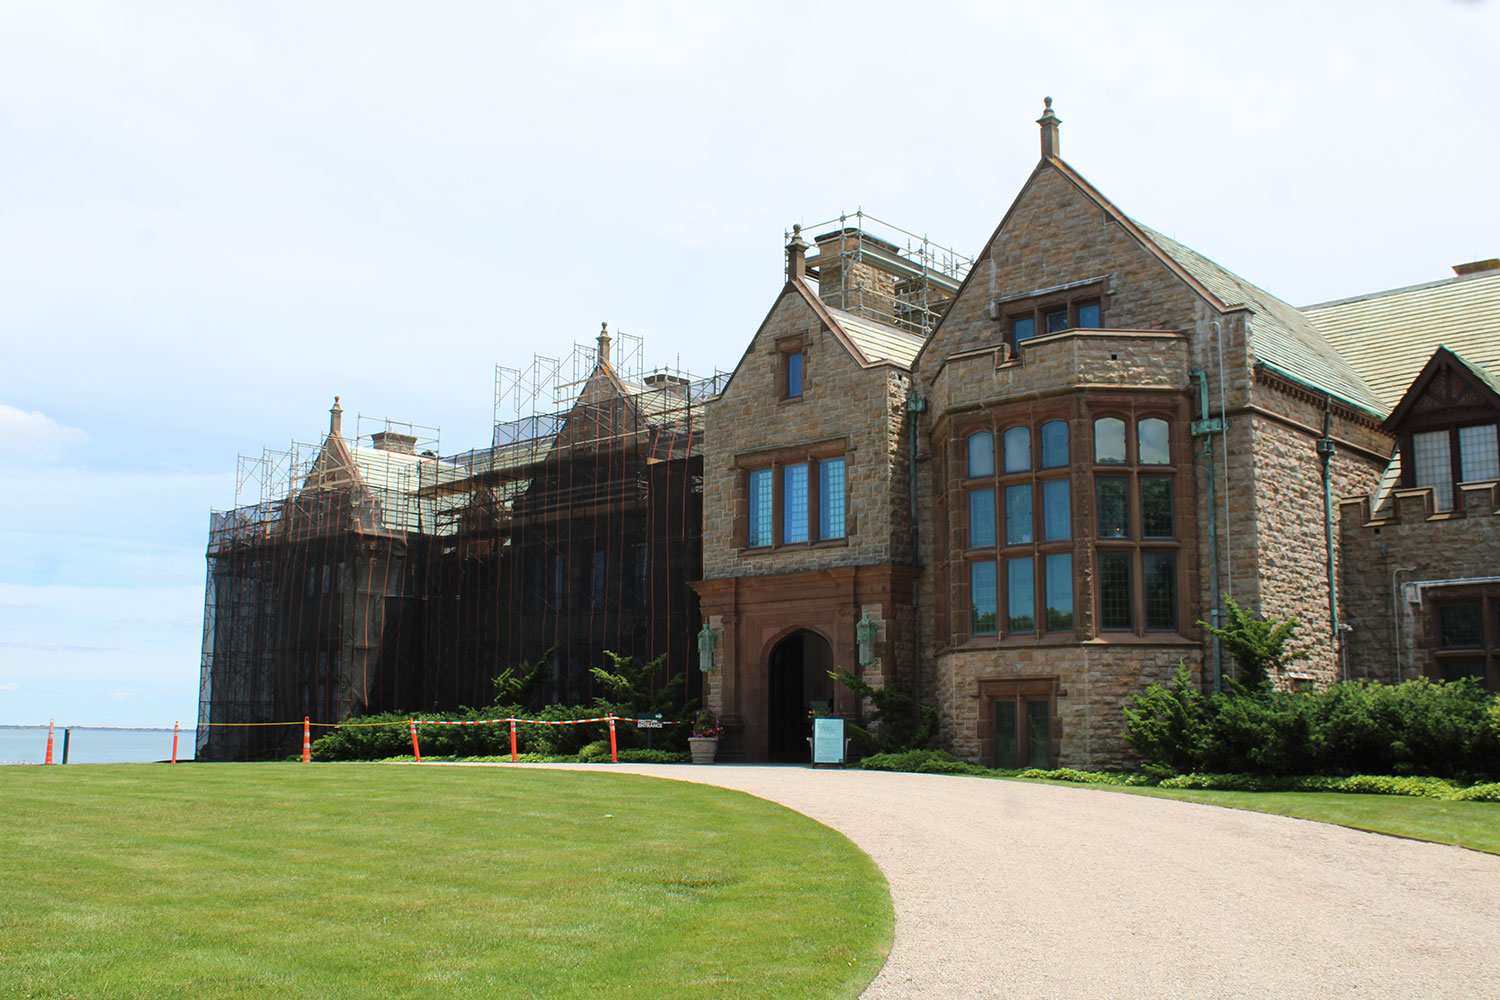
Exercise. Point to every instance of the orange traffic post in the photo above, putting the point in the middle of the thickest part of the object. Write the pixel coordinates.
(49, 742)
(415, 749)
(175, 726)
(512, 741)
(614, 754)
(306, 740)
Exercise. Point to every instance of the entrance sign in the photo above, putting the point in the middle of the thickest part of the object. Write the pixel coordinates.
(828, 741)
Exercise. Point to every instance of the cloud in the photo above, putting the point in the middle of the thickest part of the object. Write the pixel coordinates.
(12, 686)
(122, 695)
(35, 434)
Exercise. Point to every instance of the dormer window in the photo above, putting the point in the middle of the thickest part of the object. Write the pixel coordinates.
(1448, 426)
(1473, 453)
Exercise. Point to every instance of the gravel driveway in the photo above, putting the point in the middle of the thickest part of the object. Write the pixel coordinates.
(1012, 889)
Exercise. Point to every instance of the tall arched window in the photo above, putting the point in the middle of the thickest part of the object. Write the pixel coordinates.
(981, 454)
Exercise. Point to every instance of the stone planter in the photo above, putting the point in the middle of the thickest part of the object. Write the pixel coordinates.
(703, 748)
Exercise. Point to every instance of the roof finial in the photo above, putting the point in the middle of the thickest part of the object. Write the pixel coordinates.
(604, 343)
(1049, 122)
(335, 416)
(796, 254)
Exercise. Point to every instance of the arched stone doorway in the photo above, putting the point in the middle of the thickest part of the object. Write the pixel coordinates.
(797, 683)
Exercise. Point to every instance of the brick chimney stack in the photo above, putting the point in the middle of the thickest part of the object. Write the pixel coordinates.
(1049, 123)
(796, 255)
(335, 417)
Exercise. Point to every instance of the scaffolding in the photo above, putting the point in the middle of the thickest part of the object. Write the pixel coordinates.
(882, 272)
(376, 574)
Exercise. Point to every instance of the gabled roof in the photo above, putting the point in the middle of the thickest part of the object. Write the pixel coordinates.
(1281, 337)
(1388, 336)
(1483, 387)
(876, 342)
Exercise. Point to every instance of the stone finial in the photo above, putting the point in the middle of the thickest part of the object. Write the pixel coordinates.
(335, 417)
(796, 254)
(604, 343)
(1049, 122)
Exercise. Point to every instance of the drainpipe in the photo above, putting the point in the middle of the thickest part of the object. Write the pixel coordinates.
(1206, 428)
(914, 407)
(1396, 617)
(1325, 455)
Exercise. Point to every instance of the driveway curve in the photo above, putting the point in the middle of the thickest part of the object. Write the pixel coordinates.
(1014, 889)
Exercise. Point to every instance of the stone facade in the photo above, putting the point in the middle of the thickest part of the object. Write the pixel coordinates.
(1178, 435)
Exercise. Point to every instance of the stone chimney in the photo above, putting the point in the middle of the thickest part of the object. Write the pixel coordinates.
(796, 255)
(335, 417)
(604, 344)
(400, 444)
(1049, 123)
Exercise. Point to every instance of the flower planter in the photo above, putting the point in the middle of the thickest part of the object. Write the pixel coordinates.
(703, 748)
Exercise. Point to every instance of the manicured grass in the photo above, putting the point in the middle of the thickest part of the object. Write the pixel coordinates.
(368, 880)
(1475, 825)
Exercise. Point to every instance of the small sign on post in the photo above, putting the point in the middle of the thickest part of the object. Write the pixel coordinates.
(828, 741)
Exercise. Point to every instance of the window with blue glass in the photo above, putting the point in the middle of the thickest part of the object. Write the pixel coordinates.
(799, 502)
(982, 597)
(794, 503)
(1020, 595)
(1058, 568)
(981, 518)
(830, 498)
(761, 512)
(1054, 444)
(981, 454)
(793, 362)
(1018, 514)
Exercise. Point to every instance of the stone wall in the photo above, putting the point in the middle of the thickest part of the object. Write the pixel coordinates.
(1054, 235)
(1094, 686)
(1407, 535)
(861, 409)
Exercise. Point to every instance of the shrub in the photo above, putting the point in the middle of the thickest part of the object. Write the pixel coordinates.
(1168, 725)
(1260, 646)
(1418, 727)
(898, 721)
(922, 762)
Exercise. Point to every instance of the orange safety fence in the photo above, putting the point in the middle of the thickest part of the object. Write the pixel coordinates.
(412, 724)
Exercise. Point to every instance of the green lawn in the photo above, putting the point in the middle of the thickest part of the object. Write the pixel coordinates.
(367, 880)
(1474, 825)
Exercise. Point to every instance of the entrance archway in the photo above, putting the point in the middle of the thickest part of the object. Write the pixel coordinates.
(797, 672)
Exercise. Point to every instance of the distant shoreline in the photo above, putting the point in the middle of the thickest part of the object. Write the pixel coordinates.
(117, 729)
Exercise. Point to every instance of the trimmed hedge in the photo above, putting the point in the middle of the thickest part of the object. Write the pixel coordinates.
(392, 739)
(1419, 727)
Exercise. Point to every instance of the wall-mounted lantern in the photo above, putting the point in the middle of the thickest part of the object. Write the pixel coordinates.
(707, 640)
(865, 632)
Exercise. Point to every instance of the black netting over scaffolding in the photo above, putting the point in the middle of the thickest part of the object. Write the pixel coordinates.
(375, 575)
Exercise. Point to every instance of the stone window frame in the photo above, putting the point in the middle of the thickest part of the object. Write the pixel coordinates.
(1135, 543)
(1487, 598)
(778, 459)
(1038, 306)
(794, 343)
(996, 422)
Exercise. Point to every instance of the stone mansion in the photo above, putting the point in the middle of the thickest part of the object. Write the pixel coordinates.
(1026, 506)
(1012, 486)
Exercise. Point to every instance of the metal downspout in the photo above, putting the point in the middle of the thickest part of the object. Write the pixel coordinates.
(914, 406)
(1205, 428)
(1325, 453)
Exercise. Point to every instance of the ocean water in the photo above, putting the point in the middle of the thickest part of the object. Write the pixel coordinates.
(91, 745)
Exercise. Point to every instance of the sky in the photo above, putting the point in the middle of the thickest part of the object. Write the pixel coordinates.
(216, 216)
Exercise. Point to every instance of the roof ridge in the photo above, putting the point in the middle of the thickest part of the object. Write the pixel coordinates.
(1366, 296)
